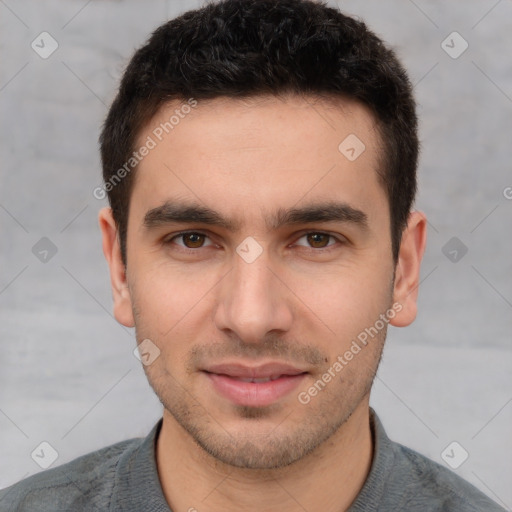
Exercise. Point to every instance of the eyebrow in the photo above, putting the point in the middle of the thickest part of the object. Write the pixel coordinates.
(190, 213)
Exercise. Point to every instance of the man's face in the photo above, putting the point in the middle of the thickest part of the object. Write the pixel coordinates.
(273, 295)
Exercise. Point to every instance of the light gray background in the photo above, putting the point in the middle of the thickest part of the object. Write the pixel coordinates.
(67, 372)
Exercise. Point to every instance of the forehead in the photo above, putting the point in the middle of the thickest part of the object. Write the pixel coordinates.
(257, 115)
(265, 152)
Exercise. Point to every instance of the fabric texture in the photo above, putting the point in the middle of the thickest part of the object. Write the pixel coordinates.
(123, 477)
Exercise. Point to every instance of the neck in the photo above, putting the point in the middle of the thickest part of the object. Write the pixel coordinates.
(326, 480)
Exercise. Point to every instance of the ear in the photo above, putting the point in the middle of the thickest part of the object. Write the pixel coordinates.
(111, 249)
(407, 272)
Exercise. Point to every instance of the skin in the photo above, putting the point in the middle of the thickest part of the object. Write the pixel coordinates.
(302, 301)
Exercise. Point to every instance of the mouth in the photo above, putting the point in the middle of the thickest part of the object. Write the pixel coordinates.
(262, 379)
(254, 386)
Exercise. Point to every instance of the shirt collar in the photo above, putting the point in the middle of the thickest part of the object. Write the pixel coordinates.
(137, 485)
(383, 459)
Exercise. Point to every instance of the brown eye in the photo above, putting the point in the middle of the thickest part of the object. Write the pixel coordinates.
(193, 240)
(318, 240)
(188, 240)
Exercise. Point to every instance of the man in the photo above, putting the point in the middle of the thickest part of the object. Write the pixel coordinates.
(260, 162)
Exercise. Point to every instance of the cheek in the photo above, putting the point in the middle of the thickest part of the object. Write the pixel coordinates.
(169, 320)
(169, 301)
(344, 302)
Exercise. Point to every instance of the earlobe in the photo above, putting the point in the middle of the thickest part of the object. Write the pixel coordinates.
(111, 249)
(407, 273)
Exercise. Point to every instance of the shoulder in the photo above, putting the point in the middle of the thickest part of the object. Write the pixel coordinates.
(403, 480)
(427, 485)
(85, 482)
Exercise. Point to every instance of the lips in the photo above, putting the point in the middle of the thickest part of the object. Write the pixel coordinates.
(263, 371)
(263, 379)
(255, 386)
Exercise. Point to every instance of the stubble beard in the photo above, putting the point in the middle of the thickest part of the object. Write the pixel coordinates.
(289, 440)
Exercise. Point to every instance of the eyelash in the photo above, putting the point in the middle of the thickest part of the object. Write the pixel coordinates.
(168, 241)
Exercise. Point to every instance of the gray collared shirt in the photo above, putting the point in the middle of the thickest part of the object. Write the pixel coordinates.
(124, 477)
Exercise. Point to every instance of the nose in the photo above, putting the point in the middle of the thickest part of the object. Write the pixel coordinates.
(254, 300)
